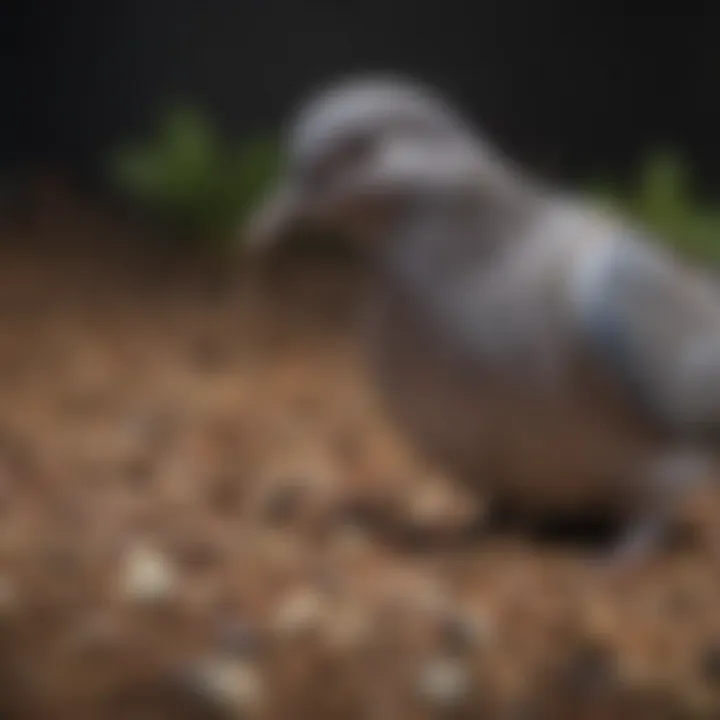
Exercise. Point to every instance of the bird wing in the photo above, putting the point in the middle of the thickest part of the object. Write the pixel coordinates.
(655, 325)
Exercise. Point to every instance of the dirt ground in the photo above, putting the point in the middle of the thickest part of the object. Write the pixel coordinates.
(204, 514)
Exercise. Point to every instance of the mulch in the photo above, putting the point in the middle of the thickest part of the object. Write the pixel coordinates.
(204, 513)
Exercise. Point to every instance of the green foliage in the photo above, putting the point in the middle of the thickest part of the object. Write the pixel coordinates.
(206, 185)
(662, 199)
(193, 176)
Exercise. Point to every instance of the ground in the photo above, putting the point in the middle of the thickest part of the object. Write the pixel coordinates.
(206, 514)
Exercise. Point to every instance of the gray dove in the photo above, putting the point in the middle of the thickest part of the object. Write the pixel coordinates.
(523, 339)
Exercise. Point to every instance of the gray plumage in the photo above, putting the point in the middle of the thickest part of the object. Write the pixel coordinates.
(524, 341)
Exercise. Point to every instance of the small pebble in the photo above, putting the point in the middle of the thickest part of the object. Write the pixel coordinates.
(444, 683)
(235, 686)
(300, 612)
(431, 505)
(147, 576)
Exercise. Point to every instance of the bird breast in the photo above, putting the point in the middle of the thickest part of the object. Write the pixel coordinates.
(479, 374)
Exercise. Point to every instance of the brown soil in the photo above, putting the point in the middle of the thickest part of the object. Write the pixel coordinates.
(205, 515)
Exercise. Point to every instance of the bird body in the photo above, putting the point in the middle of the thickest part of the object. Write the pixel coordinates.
(478, 360)
(531, 345)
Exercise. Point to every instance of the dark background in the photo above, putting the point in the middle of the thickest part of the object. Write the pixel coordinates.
(572, 88)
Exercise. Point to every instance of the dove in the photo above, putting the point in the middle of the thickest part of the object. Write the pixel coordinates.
(540, 348)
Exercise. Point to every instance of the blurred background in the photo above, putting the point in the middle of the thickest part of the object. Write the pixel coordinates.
(202, 511)
(582, 94)
(572, 90)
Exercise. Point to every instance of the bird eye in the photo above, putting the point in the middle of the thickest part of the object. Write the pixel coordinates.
(356, 150)
(346, 156)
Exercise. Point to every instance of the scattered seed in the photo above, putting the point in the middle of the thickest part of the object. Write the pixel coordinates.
(444, 682)
(148, 576)
(235, 686)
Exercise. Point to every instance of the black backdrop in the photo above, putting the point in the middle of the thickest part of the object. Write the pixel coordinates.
(567, 86)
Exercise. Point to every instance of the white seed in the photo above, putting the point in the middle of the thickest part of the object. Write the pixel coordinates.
(235, 685)
(147, 576)
(444, 682)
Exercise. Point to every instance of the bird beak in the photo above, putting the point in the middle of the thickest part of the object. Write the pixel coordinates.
(278, 215)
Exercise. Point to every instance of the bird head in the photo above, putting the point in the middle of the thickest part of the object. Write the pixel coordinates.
(356, 152)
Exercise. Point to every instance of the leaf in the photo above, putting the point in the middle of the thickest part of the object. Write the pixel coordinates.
(662, 193)
(188, 143)
(663, 202)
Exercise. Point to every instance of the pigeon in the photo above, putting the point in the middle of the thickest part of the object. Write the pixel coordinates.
(550, 353)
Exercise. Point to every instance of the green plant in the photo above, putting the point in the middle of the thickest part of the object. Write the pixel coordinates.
(662, 200)
(193, 176)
